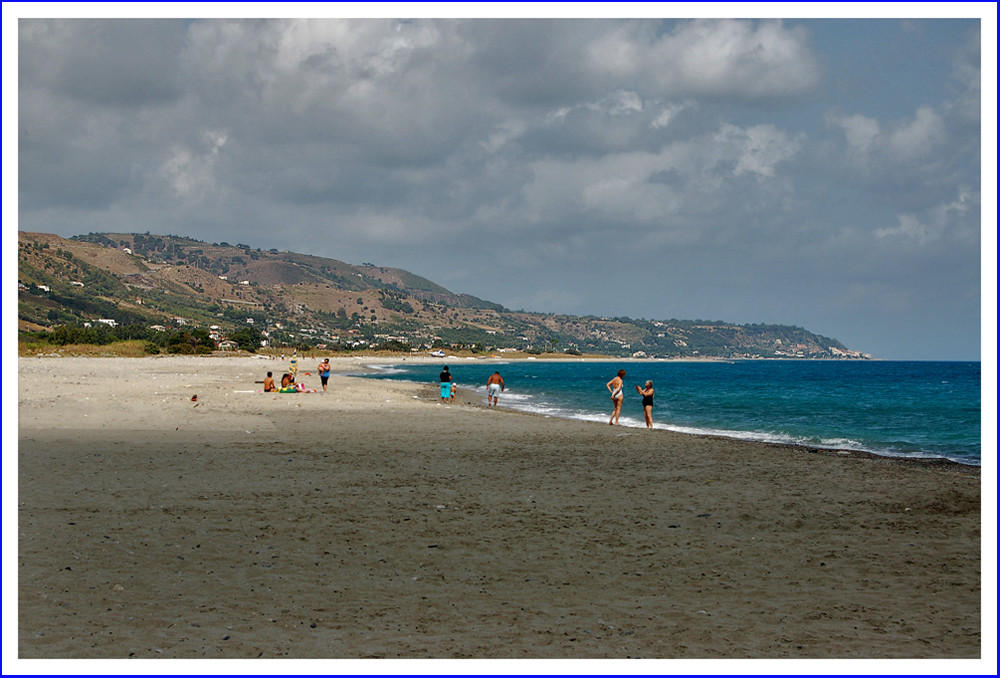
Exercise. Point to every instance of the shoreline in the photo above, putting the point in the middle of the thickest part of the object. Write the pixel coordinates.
(373, 522)
(369, 364)
(944, 462)
(346, 365)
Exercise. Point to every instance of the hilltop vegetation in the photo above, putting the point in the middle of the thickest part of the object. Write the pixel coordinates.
(173, 284)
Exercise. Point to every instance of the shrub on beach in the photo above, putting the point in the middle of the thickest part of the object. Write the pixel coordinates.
(247, 338)
(117, 349)
(190, 343)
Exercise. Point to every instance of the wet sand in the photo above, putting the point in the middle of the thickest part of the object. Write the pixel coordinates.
(373, 522)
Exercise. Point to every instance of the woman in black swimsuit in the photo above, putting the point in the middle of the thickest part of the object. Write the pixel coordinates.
(647, 402)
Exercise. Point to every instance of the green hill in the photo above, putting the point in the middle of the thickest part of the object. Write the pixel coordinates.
(297, 299)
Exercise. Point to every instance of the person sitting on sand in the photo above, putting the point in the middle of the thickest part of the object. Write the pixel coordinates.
(647, 402)
(617, 396)
(494, 385)
(287, 380)
(269, 383)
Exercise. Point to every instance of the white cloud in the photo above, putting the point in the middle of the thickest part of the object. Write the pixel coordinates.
(947, 223)
(757, 149)
(861, 133)
(961, 206)
(667, 114)
(918, 138)
(967, 75)
(692, 182)
(909, 228)
(192, 174)
(505, 131)
(720, 58)
(871, 142)
(356, 58)
(385, 84)
(621, 102)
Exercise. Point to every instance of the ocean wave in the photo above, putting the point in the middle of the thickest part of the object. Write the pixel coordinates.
(820, 443)
(387, 369)
(526, 404)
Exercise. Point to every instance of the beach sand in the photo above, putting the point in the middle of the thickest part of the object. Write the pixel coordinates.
(373, 522)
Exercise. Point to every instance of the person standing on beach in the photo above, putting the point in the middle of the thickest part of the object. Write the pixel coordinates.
(324, 371)
(616, 386)
(647, 402)
(445, 379)
(494, 385)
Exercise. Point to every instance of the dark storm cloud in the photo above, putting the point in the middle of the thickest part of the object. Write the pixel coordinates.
(122, 62)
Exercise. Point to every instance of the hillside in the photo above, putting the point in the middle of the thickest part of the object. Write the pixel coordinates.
(296, 299)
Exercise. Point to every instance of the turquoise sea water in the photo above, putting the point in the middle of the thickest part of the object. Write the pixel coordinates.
(907, 409)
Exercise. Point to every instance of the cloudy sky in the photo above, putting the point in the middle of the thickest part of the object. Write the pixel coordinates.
(820, 172)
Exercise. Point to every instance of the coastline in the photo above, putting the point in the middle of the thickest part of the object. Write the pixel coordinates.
(527, 406)
(372, 521)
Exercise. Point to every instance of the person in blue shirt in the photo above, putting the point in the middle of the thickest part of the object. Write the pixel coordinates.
(324, 371)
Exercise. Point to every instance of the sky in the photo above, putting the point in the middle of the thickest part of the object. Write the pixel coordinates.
(819, 172)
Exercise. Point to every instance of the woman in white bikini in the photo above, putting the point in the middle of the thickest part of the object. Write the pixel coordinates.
(617, 396)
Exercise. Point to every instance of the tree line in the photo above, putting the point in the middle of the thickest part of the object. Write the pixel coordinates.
(181, 341)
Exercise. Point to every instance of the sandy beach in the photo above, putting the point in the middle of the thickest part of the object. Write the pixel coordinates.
(372, 521)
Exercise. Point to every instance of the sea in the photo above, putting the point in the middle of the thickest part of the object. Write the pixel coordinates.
(913, 409)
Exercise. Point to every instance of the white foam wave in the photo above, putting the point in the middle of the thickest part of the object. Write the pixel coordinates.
(386, 369)
(527, 405)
